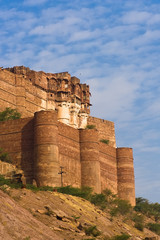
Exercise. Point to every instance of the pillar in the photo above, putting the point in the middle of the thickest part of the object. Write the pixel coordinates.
(63, 112)
(125, 174)
(46, 154)
(82, 119)
(90, 165)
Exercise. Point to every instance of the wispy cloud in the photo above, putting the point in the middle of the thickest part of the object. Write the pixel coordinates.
(35, 2)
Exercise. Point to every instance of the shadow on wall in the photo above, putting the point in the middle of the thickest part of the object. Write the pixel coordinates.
(27, 151)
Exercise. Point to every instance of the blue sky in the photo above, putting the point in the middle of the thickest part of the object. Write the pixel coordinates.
(114, 46)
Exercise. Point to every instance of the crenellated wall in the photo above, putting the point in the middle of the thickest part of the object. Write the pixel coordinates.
(40, 145)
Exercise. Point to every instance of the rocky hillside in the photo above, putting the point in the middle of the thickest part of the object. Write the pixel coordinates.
(28, 215)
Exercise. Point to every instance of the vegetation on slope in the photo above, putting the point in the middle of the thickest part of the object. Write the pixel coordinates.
(109, 203)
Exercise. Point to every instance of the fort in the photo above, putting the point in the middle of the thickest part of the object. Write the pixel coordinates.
(52, 133)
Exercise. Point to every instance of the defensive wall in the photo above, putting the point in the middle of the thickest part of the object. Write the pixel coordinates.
(29, 91)
(16, 92)
(51, 133)
(39, 145)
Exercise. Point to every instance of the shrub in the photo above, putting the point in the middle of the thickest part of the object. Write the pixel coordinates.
(139, 226)
(36, 189)
(4, 157)
(106, 141)
(8, 182)
(90, 126)
(110, 197)
(154, 227)
(99, 200)
(122, 206)
(121, 237)
(27, 238)
(84, 192)
(11, 184)
(9, 114)
(92, 231)
(139, 221)
(147, 208)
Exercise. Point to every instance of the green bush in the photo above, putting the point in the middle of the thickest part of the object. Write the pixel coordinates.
(99, 200)
(36, 189)
(8, 182)
(106, 141)
(122, 207)
(92, 231)
(84, 192)
(11, 184)
(27, 238)
(9, 114)
(139, 226)
(139, 221)
(4, 157)
(121, 237)
(154, 227)
(90, 126)
(147, 208)
(110, 197)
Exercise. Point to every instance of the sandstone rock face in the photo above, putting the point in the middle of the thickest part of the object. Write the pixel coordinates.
(18, 223)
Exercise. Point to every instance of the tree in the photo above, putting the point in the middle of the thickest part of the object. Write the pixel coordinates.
(9, 114)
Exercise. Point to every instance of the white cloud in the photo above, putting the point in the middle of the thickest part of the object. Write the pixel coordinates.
(135, 17)
(34, 2)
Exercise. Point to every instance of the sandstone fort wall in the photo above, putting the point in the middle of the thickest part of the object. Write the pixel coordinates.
(17, 139)
(105, 128)
(69, 154)
(18, 92)
(32, 143)
(40, 143)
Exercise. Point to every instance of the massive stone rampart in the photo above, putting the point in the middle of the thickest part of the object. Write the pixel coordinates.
(40, 145)
(51, 134)
(17, 139)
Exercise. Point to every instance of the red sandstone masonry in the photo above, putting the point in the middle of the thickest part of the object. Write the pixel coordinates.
(90, 165)
(105, 128)
(46, 152)
(125, 173)
(31, 91)
(69, 153)
(108, 164)
(16, 138)
(78, 151)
